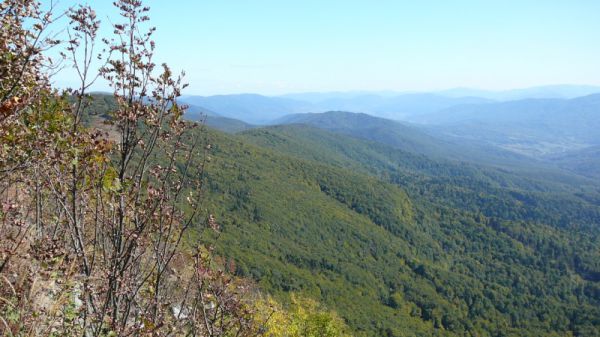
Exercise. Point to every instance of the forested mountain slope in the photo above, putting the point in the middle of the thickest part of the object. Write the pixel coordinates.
(490, 191)
(414, 139)
(401, 244)
(422, 248)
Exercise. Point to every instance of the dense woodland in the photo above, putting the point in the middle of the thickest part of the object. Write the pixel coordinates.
(431, 247)
(121, 218)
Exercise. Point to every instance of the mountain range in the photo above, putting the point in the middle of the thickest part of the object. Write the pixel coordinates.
(397, 242)
(402, 231)
(258, 109)
(563, 91)
(535, 127)
(549, 121)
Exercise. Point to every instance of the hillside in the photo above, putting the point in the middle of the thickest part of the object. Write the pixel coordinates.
(369, 127)
(267, 211)
(414, 139)
(396, 241)
(405, 248)
(497, 192)
(225, 124)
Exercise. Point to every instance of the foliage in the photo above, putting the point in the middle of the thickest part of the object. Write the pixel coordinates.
(93, 222)
(303, 318)
(96, 218)
(451, 248)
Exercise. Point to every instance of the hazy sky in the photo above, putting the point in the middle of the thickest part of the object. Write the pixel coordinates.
(279, 46)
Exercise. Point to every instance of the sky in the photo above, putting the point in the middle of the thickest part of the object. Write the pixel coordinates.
(273, 47)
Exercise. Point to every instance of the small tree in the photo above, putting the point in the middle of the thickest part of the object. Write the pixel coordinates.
(94, 223)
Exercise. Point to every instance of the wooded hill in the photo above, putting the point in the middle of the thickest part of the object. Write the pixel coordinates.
(401, 244)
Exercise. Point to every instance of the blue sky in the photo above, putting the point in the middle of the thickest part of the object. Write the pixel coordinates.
(279, 46)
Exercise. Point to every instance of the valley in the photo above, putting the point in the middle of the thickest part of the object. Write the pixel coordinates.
(397, 230)
(428, 245)
(299, 169)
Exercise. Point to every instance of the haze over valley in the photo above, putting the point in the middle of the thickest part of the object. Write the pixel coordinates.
(544, 124)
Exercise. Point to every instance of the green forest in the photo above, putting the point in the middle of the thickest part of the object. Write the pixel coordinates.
(397, 242)
(134, 214)
(401, 244)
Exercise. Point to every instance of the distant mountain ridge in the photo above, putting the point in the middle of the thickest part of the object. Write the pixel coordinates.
(536, 127)
(368, 127)
(408, 138)
(259, 109)
(400, 107)
(562, 91)
(585, 162)
(250, 108)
